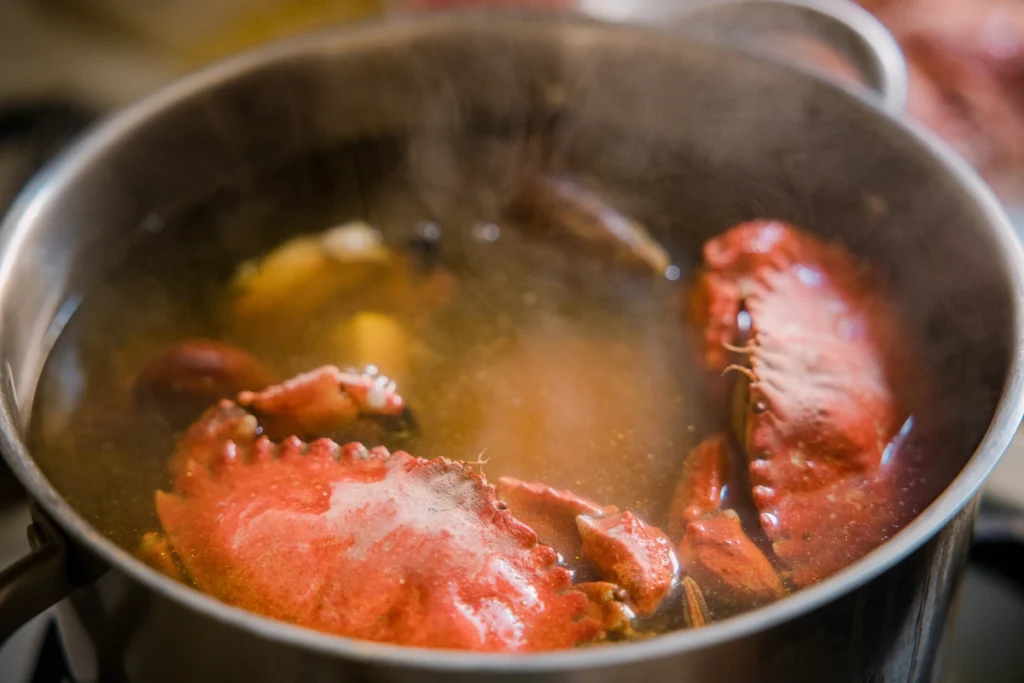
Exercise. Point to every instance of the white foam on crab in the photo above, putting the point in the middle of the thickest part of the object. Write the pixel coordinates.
(377, 397)
(493, 616)
(443, 510)
(435, 507)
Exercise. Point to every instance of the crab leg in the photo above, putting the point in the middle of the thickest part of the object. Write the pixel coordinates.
(609, 605)
(702, 485)
(551, 513)
(156, 551)
(559, 209)
(714, 550)
(631, 555)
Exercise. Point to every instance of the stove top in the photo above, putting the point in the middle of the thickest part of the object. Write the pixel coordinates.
(35, 654)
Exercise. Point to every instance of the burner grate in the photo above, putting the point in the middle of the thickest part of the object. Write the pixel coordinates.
(52, 664)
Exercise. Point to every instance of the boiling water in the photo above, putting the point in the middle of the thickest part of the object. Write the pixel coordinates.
(545, 365)
(536, 360)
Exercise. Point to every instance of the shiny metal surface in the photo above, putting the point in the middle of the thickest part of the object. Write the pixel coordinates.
(841, 24)
(888, 629)
(709, 136)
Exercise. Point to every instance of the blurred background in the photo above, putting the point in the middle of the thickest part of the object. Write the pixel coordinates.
(64, 63)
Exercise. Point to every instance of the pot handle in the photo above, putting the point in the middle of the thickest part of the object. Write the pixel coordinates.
(841, 24)
(37, 581)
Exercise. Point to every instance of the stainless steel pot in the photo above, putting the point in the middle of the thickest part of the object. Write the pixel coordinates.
(702, 136)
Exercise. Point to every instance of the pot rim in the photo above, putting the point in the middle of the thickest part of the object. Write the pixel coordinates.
(59, 173)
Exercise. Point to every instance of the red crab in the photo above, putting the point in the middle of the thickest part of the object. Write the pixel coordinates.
(384, 546)
(363, 543)
(817, 400)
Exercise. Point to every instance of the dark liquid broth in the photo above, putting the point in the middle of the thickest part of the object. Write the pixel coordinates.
(546, 365)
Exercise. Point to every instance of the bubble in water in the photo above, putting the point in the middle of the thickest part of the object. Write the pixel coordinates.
(486, 232)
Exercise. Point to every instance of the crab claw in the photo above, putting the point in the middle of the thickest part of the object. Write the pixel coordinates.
(702, 486)
(325, 401)
(550, 512)
(720, 556)
(715, 551)
(636, 556)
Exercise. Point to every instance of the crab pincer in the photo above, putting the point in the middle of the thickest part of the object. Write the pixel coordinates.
(328, 400)
(634, 557)
(551, 513)
(637, 556)
(714, 549)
